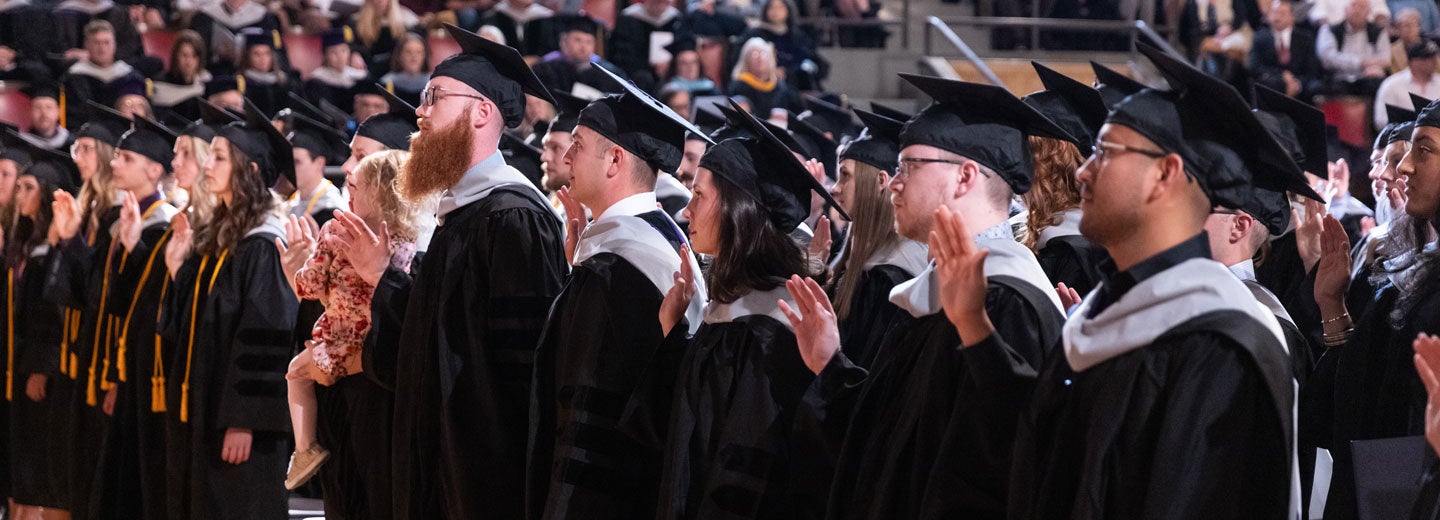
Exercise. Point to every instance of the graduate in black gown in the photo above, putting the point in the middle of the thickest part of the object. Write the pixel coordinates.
(131, 476)
(730, 452)
(604, 374)
(912, 437)
(1054, 201)
(319, 146)
(79, 279)
(875, 258)
(636, 29)
(98, 77)
(356, 412)
(1171, 376)
(576, 60)
(1362, 386)
(455, 338)
(233, 393)
(37, 413)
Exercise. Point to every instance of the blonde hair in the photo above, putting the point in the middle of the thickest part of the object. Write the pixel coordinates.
(872, 230)
(368, 22)
(379, 171)
(96, 195)
(201, 203)
(754, 43)
(1055, 189)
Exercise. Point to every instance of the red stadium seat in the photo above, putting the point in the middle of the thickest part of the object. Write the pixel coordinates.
(157, 43)
(15, 108)
(305, 53)
(712, 59)
(441, 47)
(1350, 116)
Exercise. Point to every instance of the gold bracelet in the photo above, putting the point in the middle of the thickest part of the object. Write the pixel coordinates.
(1343, 316)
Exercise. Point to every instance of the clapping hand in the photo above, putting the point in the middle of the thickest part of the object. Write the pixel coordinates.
(574, 222)
(367, 251)
(960, 266)
(178, 248)
(299, 243)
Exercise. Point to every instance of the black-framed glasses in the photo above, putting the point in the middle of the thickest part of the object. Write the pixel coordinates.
(431, 95)
(1102, 148)
(1223, 211)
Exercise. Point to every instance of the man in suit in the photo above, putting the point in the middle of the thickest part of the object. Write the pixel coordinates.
(1283, 55)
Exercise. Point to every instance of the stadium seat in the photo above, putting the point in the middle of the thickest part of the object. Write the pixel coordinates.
(1350, 115)
(157, 43)
(15, 108)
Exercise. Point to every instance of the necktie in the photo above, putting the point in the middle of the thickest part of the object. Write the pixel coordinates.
(1284, 52)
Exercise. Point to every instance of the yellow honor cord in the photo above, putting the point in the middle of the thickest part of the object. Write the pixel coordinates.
(90, 395)
(10, 334)
(157, 373)
(135, 300)
(190, 350)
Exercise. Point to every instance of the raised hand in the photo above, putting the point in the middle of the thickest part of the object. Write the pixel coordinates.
(236, 447)
(367, 251)
(1307, 232)
(1396, 194)
(178, 248)
(128, 229)
(677, 299)
(1427, 363)
(574, 222)
(960, 266)
(1333, 277)
(1339, 180)
(35, 387)
(820, 244)
(66, 220)
(298, 245)
(816, 332)
(1068, 296)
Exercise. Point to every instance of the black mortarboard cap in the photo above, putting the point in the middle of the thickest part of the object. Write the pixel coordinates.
(1418, 102)
(1402, 121)
(878, 145)
(1114, 86)
(984, 123)
(225, 83)
(211, 119)
(52, 167)
(764, 168)
(1382, 138)
(256, 36)
(151, 140)
(263, 144)
(828, 117)
(640, 124)
(13, 147)
(318, 138)
(105, 124)
(681, 44)
(43, 89)
(132, 84)
(1074, 106)
(577, 23)
(567, 111)
(336, 36)
(1309, 125)
(814, 139)
(1428, 116)
(392, 128)
(1224, 146)
(494, 70)
(890, 112)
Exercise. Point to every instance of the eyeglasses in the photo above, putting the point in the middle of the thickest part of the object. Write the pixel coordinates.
(1103, 148)
(430, 96)
(77, 148)
(1223, 211)
(904, 169)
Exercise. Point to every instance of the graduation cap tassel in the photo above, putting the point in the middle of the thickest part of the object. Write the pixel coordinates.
(62, 108)
(65, 345)
(120, 360)
(157, 378)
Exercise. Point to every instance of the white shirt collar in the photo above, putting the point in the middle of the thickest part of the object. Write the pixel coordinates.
(1244, 270)
(630, 206)
(1284, 36)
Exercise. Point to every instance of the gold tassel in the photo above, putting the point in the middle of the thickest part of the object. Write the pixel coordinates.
(62, 107)
(157, 393)
(65, 344)
(10, 335)
(120, 362)
(185, 402)
(157, 377)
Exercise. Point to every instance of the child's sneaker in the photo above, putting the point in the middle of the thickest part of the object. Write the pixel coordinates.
(304, 464)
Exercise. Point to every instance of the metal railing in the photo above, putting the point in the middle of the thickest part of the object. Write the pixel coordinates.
(1134, 29)
(828, 25)
(935, 23)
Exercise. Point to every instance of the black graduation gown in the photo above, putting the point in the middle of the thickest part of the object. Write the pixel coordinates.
(183, 307)
(560, 75)
(1368, 389)
(131, 477)
(1427, 505)
(1283, 272)
(729, 452)
(79, 87)
(604, 377)
(354, 424)
(78, 280)
(28, 31)
(455, 340)
(68, 27)
(630, 47)
(871, 313)
(241, 353)
(782, 96)
(927, 436)
(1119, 439)
(1074, 261)
(34, 348)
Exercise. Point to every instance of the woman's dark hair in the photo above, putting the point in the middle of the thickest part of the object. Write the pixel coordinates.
(29, 234)
(400, 46)
(1407, 235)
(184, 38)
(789, 8)
(752, 254)
(674, 69)
(250, 201)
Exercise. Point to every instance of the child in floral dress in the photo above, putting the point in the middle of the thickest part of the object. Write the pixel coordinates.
(328, 277)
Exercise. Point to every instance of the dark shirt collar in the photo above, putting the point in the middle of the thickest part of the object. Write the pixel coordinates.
(1117, 283)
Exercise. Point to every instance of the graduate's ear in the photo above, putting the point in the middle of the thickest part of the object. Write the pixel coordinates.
(615, 159)
(482, 111)
(882, 180)
(1169, 176)
(154, 171)
(967, 177)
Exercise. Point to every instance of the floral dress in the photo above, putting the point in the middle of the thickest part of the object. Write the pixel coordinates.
(329, 278)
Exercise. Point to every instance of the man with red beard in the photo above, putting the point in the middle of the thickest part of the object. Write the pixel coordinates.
(455, 337)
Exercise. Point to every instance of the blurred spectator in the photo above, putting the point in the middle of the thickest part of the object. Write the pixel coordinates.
(510, 17)
(708, 19)
(333, 80)
(1331, 12)
(493, 34)
(72, 17)
(636, 43)
(97, 75)
(409, 68)
(860, 35)
(1429, 15)
(378, 25)
(45, 129)
(1283, 56)
(1219, 27)
(224, 91)
(368, 102)
(677, 99)
(795, 55)
(1407, 24)
(576, 60)
(756, 78)
(686, 71)
(266, 80)
(1419, 78)
(1355, 51)
(180, 87)
(218, 24)
(27, 34)
(131, 100)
